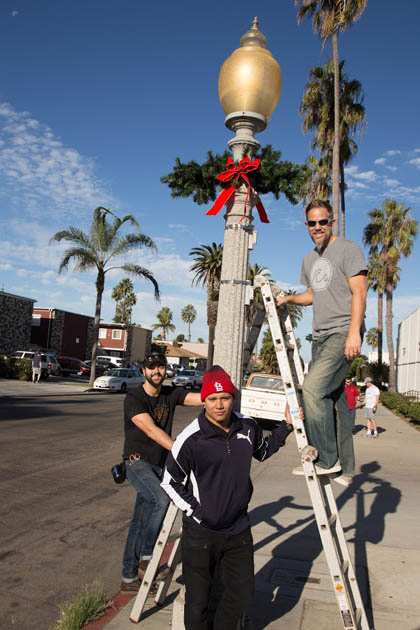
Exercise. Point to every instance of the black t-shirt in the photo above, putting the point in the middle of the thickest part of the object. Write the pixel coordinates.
(162, 409)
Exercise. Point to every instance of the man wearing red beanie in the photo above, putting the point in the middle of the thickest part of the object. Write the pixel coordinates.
(207, 476)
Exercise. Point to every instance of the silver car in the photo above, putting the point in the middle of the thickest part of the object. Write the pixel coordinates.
(185, 378)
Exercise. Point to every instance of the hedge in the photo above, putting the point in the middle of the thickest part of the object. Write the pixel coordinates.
(10, 367)
(402, 404)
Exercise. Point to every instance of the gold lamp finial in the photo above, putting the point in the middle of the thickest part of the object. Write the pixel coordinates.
(250, 79)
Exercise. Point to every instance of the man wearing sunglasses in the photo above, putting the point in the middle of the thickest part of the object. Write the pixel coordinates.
(334, 273)
(148, 416)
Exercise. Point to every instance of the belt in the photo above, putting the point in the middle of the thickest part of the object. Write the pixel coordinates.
(133, 457)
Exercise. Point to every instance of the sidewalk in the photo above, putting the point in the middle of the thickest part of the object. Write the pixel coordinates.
(50, 387)
(380, 513)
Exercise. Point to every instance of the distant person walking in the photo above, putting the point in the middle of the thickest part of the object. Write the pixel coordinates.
(371, 404)
(36, 367)
(352, 394)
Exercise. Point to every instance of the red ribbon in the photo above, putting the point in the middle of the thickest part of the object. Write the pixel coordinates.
(238, 172)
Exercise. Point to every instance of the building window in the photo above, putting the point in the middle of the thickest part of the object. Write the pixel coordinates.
(102, 333)
(116, 334)
(36, 319)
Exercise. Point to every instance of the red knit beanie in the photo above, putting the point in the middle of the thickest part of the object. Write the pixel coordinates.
(216, 381)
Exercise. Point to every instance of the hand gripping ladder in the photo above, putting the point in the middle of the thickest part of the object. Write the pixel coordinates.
(327, 518)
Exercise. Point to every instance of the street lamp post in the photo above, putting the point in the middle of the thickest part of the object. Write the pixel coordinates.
(249, 90)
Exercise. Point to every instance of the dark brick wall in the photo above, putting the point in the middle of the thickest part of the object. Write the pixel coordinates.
(15, 323)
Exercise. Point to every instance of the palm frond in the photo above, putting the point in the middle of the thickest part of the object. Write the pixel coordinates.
(83, 259)
(129, 242)
(142, 272)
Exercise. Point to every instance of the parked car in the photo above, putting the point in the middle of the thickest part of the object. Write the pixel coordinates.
(188, 378)
(119, 380)
(105, 358)
(101, 368)
(69, 365)
(263, 398)
(170, 372)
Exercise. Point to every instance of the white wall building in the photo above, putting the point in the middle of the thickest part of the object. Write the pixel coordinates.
(408, 354)
(373, 357)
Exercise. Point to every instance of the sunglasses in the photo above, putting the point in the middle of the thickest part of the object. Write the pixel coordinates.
(322, 222)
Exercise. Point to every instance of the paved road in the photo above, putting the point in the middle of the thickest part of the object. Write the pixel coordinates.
(63, 520)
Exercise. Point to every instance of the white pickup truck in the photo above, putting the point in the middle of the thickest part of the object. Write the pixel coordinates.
(263, 397)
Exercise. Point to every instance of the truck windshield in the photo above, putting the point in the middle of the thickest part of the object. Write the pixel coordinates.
(267, 382)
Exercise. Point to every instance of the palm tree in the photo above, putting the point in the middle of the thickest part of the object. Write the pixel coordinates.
(372, 337)
(97, 250)
(164, 322)
(376, 281)
(318, 181)
(390, 235)
(317, 109)
(125, 298)
(207, 268)
(329, 17)
(188, 316)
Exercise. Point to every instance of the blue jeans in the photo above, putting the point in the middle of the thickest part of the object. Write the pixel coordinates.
(328, 421)
(149, 511)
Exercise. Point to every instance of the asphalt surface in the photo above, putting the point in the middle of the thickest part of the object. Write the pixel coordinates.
(63, 520)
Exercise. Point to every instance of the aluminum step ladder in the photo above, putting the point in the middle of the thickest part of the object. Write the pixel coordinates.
(340, 567)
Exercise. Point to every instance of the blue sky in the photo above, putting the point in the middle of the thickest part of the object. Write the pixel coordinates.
(98, 98)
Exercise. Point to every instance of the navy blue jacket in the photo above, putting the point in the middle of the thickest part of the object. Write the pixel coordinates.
(207, 472)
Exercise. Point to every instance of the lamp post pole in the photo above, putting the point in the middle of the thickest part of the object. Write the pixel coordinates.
(249, 89)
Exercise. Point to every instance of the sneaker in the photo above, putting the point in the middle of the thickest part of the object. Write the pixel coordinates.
(368, 434)
(320, 471)
(343, 480)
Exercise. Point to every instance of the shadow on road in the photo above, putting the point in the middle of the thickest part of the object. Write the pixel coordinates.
(15, 408)
(279, 584)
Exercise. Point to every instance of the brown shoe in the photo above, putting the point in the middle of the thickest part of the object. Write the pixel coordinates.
(130, 587)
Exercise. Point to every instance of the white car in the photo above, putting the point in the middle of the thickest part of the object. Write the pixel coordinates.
(188, 378)
(119, 380)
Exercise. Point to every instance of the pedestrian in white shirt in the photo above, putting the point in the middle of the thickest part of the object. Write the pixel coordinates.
(371, 404)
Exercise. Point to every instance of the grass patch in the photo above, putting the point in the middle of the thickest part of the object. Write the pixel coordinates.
(88, 605)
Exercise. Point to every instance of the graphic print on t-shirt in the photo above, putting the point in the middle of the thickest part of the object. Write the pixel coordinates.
(321, 274)
(160, 413)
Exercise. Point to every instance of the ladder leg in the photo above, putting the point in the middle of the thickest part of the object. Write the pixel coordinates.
(154, 563)
(173, 562)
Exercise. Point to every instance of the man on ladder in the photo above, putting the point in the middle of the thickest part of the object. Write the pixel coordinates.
(334, 273)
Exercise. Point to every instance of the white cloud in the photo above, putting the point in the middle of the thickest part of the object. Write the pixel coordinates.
(392, 168)
(391, 183)
(415, 162)
(380, 161)
(393, 152)
(354, 173)
(416, 150)
(14, 13)
(40, 172)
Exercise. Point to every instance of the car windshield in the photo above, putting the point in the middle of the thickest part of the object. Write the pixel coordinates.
(267, 382)
(117, 372)
(186, 373)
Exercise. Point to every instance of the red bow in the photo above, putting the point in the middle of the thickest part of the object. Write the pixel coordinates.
(238, 172)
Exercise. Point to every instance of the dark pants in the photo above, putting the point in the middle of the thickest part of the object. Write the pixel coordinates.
(217, 567)
(149, 512)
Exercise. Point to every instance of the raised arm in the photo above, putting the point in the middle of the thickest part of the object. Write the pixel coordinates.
(177, 473)
(265, 447)
(145, 423)
(303, 299)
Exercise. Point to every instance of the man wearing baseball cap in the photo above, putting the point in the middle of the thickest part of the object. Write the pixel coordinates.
(148, 416)
(207, 476)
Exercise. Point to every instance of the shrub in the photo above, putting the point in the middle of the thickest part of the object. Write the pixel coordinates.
(86, 606)
(401, 404)
(24, 369)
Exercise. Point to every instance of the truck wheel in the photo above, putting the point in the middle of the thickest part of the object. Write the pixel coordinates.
(123, 388)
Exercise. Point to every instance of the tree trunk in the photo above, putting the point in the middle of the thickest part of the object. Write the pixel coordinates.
(380, 326)
(336, 147)
(210, 351)
(253, 334)
(100, 284)
(189, 331)
(343, 200)
(389, 337)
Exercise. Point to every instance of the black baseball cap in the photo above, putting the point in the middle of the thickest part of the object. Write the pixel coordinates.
(153, 359)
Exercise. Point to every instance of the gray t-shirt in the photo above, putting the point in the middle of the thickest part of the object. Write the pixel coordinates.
(326, 274)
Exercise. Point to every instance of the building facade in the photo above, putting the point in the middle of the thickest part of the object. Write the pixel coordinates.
(63, 332)
(15, 322)
(408, 354)
(131, 343)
